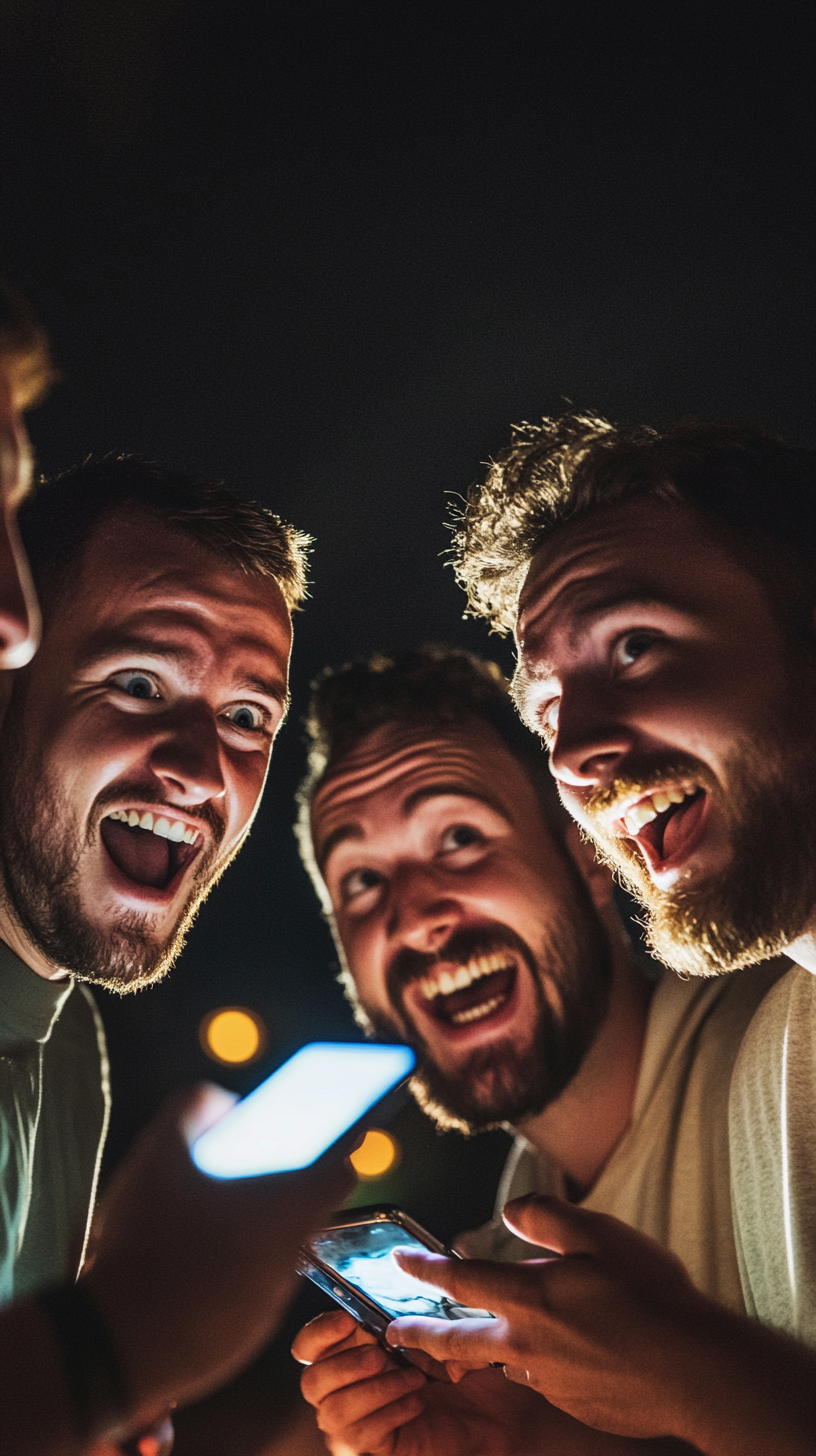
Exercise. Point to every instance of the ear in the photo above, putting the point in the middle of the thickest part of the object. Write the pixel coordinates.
(597, 878)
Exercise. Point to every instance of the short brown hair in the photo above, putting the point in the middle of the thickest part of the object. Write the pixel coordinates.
(433, 686)
(753, 486)
(58, 520)
(24, 350)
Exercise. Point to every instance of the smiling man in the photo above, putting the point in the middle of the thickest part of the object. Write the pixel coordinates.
(662, 589)
(135, 749)
(472, 921)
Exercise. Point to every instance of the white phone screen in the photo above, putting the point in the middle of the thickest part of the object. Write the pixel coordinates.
(304, 1107)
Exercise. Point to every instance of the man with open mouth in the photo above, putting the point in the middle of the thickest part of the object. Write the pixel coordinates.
(473, 921)
(135, 748)
(663, 593)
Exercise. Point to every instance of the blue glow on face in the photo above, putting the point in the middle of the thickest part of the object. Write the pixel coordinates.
(304, 1107)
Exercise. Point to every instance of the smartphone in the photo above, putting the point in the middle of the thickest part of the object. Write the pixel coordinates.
(324, 1094)
(351, 1261)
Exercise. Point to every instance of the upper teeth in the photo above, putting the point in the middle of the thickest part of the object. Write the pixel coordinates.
(444, 983)
(165, 828)
(654, 804)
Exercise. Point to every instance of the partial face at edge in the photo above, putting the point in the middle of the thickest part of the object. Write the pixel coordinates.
(679, 722)
(19, 613)
(467, 931)
(135, 750)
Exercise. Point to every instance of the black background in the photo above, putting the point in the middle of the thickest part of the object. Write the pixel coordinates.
(329, 252)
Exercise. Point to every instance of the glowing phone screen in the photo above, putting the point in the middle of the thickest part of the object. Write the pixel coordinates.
(304, 1107)
(362, 1254)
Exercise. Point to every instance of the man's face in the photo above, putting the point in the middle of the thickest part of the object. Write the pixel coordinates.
(19, 613)
(135, 749)
(679, 721)
(468, 932)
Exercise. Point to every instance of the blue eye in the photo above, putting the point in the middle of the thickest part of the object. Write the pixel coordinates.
(246, 716)
(135, 684)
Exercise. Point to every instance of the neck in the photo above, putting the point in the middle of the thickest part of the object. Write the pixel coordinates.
(16, 939)
(580, 1129)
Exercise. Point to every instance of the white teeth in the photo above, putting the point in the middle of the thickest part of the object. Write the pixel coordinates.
(444, 983)
(477, 1013)
(173, 829)
(657, 803)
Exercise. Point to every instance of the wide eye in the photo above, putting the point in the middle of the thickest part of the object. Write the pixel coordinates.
(136, 684)
(249, 717)
(460, 836)
(359, 883)
(633, 645)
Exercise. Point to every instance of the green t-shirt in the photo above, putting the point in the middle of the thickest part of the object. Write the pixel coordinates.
(54, 1107)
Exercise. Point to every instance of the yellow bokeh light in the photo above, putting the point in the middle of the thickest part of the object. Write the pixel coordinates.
(232, 1035)
(376, 1155)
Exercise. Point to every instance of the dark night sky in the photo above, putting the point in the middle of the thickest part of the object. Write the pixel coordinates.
(330, 252)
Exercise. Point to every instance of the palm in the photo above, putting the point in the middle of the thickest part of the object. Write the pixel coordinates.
(484, 1413)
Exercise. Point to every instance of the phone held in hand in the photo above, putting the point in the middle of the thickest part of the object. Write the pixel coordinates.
(351, 1260)
(317, 1101)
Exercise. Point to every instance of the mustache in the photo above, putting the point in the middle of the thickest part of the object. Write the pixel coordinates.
(645, 775)
(410, 965)
(149, 794)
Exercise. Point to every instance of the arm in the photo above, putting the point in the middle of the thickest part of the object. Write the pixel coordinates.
(190, 1275)
(616, 1334)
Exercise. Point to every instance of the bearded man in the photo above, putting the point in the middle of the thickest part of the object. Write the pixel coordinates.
(155, 1322)
(135, 749)
(663, 592)
(472, 921)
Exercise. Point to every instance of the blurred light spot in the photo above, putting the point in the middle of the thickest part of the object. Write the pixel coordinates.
(376, 1155)
(232, 1035)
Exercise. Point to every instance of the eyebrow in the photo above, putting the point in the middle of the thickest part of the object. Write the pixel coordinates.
(351, 830)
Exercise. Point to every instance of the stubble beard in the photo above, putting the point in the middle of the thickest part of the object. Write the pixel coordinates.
(41, 849)
(506, 1082)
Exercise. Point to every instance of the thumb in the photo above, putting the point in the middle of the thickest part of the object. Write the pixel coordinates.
(195, 1109)
(553, 1224)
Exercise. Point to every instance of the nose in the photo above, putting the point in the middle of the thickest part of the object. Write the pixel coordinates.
(590, 740)
(187, 758)
(422, 914)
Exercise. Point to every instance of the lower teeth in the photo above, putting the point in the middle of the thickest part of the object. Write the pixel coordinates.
(477, 1013)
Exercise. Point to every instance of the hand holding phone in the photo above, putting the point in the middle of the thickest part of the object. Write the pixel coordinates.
(351, 1260)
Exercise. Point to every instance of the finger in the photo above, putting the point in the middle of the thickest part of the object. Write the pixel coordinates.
(321, 1334)
(473, 1342)
(553, 1224)
(458, 1369)
(351, 1404)
(195, 1109)
(371, 1432)
(477, 1283)
(349, 1368)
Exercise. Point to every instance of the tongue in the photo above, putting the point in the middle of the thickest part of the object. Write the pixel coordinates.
(141, 855)
(681, 825)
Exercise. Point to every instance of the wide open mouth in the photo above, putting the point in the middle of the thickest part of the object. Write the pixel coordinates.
(149, 849)
(460, 995)
(667, 823)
